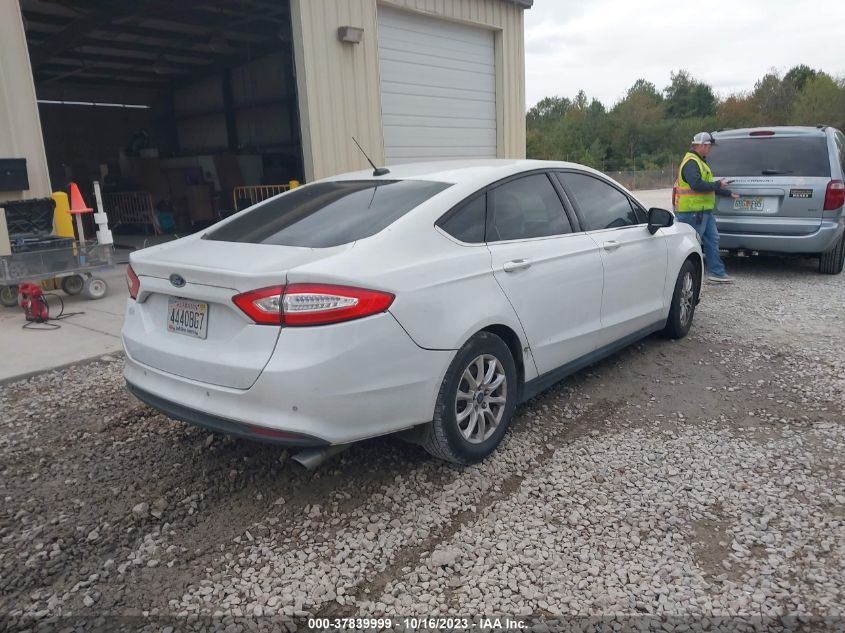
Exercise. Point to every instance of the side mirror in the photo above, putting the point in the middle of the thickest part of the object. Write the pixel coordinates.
(659, 219)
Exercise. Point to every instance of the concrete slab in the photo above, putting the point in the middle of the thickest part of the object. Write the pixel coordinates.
(655, 198)
(93, 332)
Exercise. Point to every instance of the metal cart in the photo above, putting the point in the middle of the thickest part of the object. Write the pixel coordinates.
(77, 267)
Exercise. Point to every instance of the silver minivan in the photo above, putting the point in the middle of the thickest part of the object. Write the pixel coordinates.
(791, 182)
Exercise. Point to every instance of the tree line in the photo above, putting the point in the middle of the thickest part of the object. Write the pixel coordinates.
(650, 128)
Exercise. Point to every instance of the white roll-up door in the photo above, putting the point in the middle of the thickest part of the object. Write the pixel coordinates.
(438, 88)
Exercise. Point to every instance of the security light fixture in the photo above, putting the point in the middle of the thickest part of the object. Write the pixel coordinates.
(351, 34)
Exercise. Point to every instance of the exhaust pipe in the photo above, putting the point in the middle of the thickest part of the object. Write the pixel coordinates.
(311, 458)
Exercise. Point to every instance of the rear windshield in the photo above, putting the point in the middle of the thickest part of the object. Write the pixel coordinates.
(770, 156)
(327, 214)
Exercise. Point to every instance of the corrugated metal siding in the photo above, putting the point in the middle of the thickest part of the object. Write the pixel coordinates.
(438, 88)
(338, 84)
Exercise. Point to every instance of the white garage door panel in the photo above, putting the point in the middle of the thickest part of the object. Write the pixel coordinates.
(410, 106)
(438, 88)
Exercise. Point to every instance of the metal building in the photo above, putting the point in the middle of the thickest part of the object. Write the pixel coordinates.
(192, 102)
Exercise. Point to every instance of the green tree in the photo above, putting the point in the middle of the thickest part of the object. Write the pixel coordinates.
(799, 75)
(635, 122)
(686, 97)
(822, 101)
(773, 99)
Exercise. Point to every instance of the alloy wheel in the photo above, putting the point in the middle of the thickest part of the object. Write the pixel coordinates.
(687, 298)
(481, 398)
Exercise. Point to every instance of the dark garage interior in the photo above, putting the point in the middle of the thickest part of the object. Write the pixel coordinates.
(184, 111)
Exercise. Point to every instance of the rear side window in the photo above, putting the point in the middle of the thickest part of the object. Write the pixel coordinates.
(526, 208)
(468, 221)
(327, 214)
(771, 156)
(601, 206)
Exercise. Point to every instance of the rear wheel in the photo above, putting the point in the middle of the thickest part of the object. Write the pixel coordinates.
(831, 262)
(476, 402)
(73, 285)
(9, 296)
(684, 299)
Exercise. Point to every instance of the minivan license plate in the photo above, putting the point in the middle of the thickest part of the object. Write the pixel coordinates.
(187, 317)
(748, 204)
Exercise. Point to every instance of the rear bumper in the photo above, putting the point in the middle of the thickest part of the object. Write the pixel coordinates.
(331, 385)
(810, 244)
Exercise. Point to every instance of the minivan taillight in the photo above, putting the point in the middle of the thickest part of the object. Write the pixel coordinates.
(834, 196)
(132, 282)
(311, 304)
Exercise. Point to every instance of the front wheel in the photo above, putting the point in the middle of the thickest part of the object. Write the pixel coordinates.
(831, 262)
(684, 299)
(475, 403)
(9, 296)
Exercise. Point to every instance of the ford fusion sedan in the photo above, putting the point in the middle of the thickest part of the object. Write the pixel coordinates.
(429, 300)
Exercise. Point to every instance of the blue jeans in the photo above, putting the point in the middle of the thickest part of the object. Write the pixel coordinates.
(705, 225)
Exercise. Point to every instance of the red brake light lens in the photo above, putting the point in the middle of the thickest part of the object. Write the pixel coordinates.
(761, 133)
(264, 306)
(834, 196)
(132, 282)
(311, 304)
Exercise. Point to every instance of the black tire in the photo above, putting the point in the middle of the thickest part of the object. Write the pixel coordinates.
(9, 296)
(682, 309)
(95, 288)
(831, 262)
(73, 285)
(443, 437)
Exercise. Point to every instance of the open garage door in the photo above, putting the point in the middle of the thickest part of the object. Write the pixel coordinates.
(438, 88)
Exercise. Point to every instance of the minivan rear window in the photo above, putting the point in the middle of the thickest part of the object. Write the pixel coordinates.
(771, 156)
(327, 214)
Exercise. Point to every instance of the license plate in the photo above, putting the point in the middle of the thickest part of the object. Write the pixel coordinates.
(187, 317)
(748, 204)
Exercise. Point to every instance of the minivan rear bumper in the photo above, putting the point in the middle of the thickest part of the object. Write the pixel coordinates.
(814, 243)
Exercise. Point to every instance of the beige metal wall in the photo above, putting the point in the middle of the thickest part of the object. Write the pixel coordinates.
(20, 125)
(338, 83)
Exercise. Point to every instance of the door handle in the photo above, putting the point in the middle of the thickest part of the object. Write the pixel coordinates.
(611, 245)
(516, 264)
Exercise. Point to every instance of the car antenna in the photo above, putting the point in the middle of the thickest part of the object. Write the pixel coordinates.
(377, 171)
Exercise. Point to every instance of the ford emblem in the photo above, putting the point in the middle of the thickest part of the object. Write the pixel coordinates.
(177, 280)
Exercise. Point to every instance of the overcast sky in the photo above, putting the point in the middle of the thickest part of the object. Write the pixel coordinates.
(603, 46)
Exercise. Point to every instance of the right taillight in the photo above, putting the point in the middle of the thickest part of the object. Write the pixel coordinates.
(132, 282)
(311, 304)
(834, 197)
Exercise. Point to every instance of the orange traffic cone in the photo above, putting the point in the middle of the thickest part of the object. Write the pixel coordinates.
(77, 204)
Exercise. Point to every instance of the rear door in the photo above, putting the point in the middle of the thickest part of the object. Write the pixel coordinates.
(781, 179)
(551, 274)
(635, 261)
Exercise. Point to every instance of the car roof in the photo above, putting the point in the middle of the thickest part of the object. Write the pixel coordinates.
(779, 130)
(458, 171)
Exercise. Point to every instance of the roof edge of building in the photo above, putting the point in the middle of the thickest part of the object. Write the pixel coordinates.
(525, 4)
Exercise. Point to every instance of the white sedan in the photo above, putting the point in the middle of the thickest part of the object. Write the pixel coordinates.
(432, 299)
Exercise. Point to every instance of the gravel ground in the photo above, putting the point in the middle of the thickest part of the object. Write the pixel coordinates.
(683, 485)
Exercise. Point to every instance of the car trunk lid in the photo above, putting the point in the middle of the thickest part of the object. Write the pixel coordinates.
(192, 328)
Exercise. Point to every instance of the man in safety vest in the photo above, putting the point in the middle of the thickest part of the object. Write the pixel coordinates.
(695, 198)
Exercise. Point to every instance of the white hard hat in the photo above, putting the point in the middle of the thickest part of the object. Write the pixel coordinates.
(703, 138)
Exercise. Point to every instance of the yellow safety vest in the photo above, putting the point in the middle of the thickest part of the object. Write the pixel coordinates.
(685, 198)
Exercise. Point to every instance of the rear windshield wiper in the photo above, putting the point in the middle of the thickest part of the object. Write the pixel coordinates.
(774, 172)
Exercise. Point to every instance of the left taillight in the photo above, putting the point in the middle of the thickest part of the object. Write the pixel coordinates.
(311, 304)
(132, 282)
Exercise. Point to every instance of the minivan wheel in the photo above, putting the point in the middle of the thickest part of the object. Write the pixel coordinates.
(684, 298)
(832, 261)
(475, 403)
